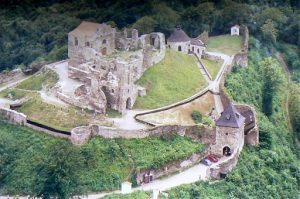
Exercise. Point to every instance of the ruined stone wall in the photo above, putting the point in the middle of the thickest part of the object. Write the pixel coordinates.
(224, 166)
(251, 137)
(13, 116)
(11, 75)
(172, 167)
(212, 57)
(197, 133)
(241, 58)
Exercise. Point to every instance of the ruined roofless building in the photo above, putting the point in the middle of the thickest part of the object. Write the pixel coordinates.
(108, 62)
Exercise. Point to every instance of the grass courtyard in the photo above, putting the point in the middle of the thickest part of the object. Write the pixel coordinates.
(173, 79)
(225, 44)
(213, 67)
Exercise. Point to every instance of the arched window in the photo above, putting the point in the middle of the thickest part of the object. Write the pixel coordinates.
(198, 50)
(76, 41)
(179, 48)
(87, 44)
(193, 49)
(104, 41)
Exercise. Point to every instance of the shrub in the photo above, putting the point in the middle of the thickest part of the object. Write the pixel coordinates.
(197, 117)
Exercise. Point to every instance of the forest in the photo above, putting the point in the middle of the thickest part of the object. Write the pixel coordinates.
(34, 32)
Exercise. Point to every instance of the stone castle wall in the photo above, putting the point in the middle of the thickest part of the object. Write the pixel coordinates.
(241, 58)
(202, 134)
(10, 76)
(13, 116)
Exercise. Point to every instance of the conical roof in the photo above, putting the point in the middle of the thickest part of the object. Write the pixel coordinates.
(230, 118)
(178, 35)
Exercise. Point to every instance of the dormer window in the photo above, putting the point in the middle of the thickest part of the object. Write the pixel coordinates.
(228, 116)
(76, 41)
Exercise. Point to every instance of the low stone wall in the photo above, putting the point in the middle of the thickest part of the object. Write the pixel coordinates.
(13, 116)
(80, 135)
(224, 166)
(212, 57)
(71, 101)
(171, 168)
(11, 75)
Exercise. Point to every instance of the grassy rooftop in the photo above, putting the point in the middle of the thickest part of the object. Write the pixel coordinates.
(225, 44)
(173, 79)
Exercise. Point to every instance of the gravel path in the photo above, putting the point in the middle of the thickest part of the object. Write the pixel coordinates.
(67, 84)
(128, 122)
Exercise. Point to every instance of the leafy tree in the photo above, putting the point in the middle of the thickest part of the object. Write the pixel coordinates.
(60, 173)
(294, 108)
(145, 24)
(269, 31)
(272, 79)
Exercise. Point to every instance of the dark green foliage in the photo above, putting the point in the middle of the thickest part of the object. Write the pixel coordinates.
(294, 108)
(39, 165)
(197, 117)
(271, 170)
(35, 30)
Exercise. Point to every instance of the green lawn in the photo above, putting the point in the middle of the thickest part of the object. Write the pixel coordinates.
(225, 44)
(63, 118)
(213, 67)
(48, 79)
(13, 93)
(173, 79)
(101, 164)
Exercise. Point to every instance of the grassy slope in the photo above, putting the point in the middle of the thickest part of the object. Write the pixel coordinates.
(271, 170)
(14, 93)
(173, 79)
(63, 118)
(225, 44)
(36, 82)
(213, 67)
(106, 161)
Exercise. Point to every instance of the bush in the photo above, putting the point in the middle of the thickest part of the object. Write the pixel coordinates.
(197, 117)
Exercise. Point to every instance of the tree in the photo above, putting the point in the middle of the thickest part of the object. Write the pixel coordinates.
(60, 173)
(145, 24)
(294, 108)
(166, 17)
(269, 31)
(197, 117)
(272, 80)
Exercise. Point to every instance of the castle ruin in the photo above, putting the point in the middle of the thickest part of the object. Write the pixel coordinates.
(108, 62)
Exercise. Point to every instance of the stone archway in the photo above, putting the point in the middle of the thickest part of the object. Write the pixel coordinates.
(226, 151)
(179, 48)
(128, 103)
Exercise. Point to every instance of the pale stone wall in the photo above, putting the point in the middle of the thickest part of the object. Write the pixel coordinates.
(241, 58)
(11, 75)
(172, 167)
(13, 116)
(228, 136)
(198, 50)
(80, 135)
(184, 46)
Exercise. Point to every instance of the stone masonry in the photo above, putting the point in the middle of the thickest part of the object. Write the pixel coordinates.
(108, 62)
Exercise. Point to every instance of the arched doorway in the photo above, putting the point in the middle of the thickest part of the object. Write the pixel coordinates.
(226, 151)
(128, 103)
(179, 48)
(104, 51)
